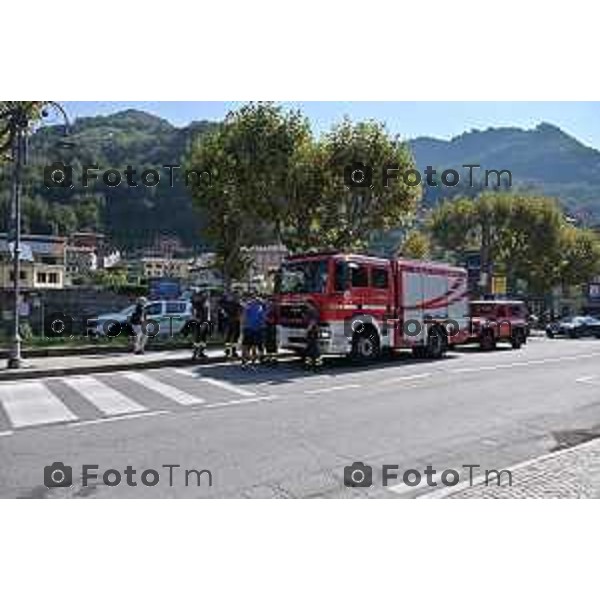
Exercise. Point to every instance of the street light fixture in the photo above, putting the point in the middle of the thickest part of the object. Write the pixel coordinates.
(20, 118)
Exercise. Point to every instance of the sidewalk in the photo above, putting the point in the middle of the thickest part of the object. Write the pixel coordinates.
(36, 367)
(570, 473)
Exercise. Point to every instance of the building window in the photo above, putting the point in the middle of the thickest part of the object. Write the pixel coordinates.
(22, 275)
(41, 278)
(53, 278)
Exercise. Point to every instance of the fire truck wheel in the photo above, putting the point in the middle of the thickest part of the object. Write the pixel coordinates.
(436, 344)
(365, 345)
(518, 339)
(488, 340)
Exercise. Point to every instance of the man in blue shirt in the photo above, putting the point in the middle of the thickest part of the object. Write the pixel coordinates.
(253, 327)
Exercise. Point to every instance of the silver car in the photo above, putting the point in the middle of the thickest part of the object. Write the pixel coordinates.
(170, 317)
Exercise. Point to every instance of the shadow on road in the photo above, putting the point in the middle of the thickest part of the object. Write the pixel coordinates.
(291, 369)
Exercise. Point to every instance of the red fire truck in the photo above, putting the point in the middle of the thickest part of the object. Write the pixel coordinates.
(368, 305)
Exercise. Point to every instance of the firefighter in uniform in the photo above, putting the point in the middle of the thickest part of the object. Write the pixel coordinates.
(312, 356)
(201, 325)
(230, 311)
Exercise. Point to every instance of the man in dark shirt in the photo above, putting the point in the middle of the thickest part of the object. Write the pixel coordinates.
(230, 313)
(312, 357)
(138, 323)
(201, 325)
(270, 332)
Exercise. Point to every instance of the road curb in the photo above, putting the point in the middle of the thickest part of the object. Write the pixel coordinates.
(92, 350)
(448, 492)
(37, 373)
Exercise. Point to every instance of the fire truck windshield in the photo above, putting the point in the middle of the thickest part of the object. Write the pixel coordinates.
(306, 277)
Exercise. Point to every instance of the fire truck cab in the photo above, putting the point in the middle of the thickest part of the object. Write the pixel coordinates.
(369, 305)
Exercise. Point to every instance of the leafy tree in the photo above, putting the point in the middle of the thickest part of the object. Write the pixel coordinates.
(109, 279)
(131, 217)
(15, 115)
(249, 158)
(63, 219)
(580, 254)
(87, 213)
(348, 215)
(300, 226)
(416, 244)
(524, 236)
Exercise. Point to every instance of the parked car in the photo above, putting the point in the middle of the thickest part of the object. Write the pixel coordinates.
(106, 324)
(171, 316)
(493, 321)
(574, 327)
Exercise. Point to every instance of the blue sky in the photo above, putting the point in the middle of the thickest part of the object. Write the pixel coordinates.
(409, 119)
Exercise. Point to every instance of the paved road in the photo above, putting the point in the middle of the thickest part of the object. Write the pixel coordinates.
(279, 432)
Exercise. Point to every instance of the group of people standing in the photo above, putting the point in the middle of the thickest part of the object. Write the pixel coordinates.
(249, 320)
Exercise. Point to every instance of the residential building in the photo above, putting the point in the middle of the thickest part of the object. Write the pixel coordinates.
(165, 267)
(266, 259)
(110, 259)
(81, 261)
(88, 239)
(43, 259)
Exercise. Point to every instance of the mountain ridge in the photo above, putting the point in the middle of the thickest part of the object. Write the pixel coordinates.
(544, 159)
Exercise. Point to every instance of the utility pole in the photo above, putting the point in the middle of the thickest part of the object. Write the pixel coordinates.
(486, 262)
(19, 157)
(20, 121)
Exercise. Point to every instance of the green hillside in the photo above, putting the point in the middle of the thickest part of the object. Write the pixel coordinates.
(131, 216)
(544, 158)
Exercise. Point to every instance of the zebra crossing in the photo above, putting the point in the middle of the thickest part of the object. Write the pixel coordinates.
(92, 398)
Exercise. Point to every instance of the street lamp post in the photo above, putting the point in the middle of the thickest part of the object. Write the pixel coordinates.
(21, 122)
(20, 156)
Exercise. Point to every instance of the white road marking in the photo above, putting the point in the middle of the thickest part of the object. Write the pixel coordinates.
(32, 403)
(334, 388)
(407, 378)
(6, 433)
(244, 401)
(228, 386)
(170, 391)
(403, 490)
(524, 363)
(119, 418)
(588, 379)
(218, 383)
(106, 399)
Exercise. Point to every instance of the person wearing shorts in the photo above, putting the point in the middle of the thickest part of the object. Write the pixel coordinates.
(253, 324)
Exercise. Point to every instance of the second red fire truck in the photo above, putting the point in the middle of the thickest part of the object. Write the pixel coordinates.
(367, 306)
